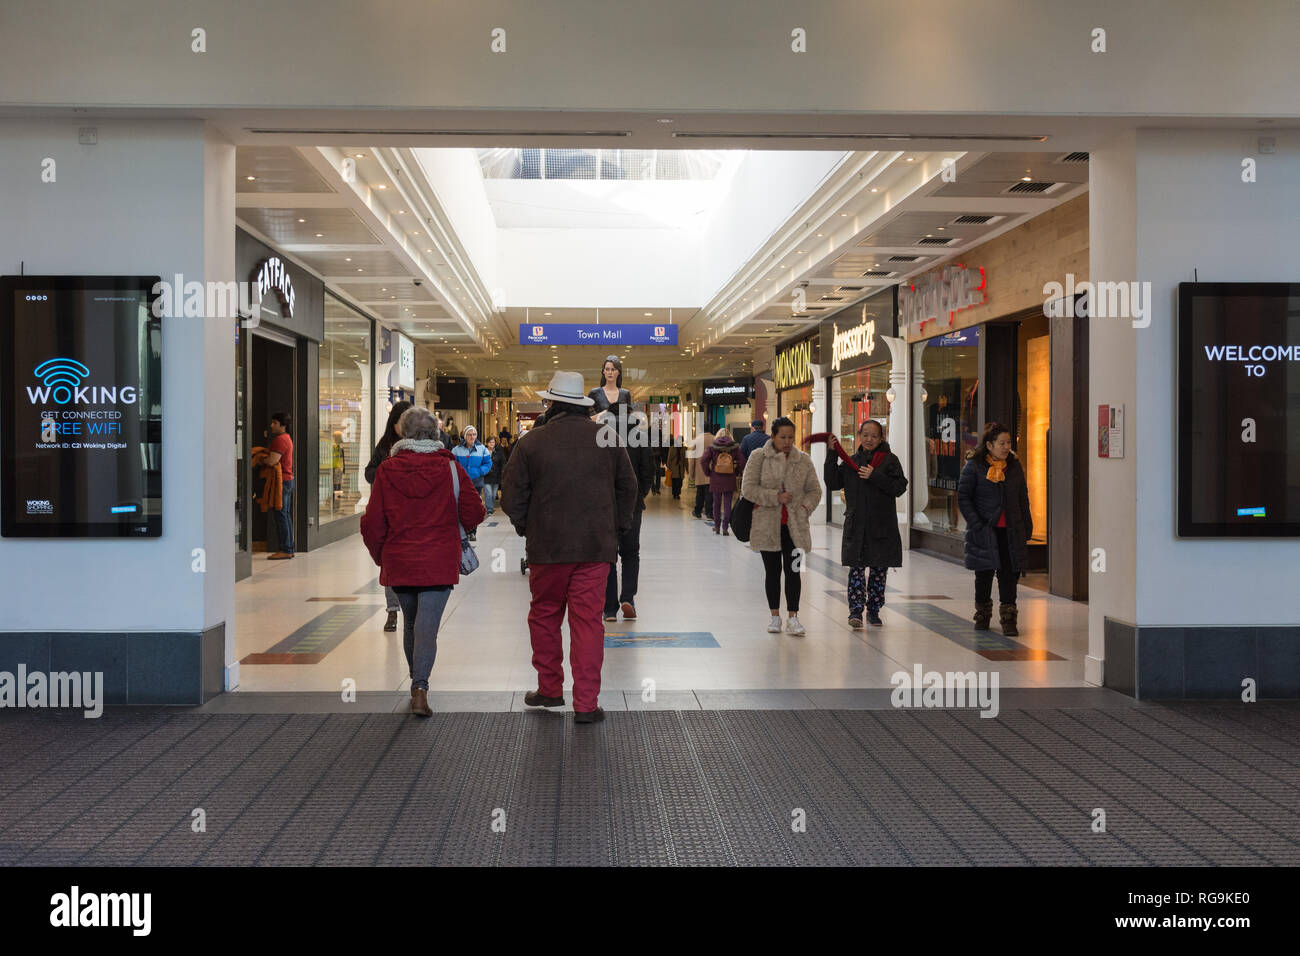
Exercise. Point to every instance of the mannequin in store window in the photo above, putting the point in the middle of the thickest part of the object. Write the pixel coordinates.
(610, 393)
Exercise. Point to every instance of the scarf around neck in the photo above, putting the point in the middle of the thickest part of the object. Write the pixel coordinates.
(997, 469)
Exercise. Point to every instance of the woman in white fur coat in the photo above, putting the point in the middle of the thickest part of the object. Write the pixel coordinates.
(783, 484)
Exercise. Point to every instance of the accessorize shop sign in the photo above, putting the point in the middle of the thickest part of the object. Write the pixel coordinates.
(569, 334)
(939, 296)
(794, 365)
(854, 346)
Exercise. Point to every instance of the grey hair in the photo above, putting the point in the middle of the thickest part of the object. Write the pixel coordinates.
(417, 423)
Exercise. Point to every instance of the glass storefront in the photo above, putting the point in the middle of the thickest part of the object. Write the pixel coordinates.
(1033, 390)
(856, 397)
(495, 414)
(344, 396)
(796, 405)
(948, 413)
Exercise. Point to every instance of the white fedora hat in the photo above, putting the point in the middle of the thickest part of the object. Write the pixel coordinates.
(566, 387)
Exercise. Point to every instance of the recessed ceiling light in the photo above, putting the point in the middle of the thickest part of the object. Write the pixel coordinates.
(843, 215)
(874, 189)
(302, 220)
(361, 156)
(250, 178)
(911, 159)
(401, 212)
(381, 186)
(1026, 179)
(320, 235)
(359, 269)
(819, 235)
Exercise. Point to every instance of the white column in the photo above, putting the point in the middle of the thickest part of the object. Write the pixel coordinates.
(899, 420)
(919, 476)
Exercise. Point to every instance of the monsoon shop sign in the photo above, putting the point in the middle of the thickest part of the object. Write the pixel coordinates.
(570, 334)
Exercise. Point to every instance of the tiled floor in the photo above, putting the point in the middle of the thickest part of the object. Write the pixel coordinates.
(691, 580)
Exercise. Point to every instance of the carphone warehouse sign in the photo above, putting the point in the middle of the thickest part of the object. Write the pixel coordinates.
(81, 428)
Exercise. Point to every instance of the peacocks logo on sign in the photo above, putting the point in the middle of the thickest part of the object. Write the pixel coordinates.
(61, 379)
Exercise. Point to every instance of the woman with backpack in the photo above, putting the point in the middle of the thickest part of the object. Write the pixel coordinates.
(994, 499)
(782, 482)
(871, 539)
(392, 434)
(723, 463)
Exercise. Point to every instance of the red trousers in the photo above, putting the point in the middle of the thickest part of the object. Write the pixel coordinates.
(580, 588)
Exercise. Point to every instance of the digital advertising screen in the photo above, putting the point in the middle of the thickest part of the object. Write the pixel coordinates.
(81, 423)
(1238, 410)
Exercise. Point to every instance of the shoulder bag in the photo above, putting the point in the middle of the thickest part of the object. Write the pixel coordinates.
(468, 559)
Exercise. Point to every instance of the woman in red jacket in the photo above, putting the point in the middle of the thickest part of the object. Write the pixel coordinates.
(411, 530)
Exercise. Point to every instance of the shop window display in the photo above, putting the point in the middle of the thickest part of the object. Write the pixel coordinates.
(1033, 389)
(344, 406)
(856, 397)
(947, 408)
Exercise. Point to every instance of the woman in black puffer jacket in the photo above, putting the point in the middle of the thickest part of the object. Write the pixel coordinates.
(994, 499)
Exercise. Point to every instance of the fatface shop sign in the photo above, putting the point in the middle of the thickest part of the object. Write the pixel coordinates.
(940, 295)
(273, 276)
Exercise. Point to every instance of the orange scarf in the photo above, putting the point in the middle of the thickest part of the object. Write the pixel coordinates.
(997, 469)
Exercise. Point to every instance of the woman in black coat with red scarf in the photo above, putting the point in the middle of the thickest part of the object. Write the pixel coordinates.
(871, 539)
(994, 499)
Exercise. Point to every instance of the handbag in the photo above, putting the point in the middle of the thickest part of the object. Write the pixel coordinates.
(468, 559)
(742, 518)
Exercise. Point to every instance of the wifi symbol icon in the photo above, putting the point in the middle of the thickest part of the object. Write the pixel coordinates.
(61, 375)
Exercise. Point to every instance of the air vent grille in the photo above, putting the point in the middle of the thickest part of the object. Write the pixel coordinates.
(903, 258)
(935, 241)
(1036, 187)
(831, 298)
(973, 220)
(879, 274)
(1074, 158)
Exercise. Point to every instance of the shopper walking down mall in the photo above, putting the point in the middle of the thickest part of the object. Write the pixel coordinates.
(412, 530)
(782, 482)
(994, 499)
(572, 498)
(675, 462)
(475, 458)
(756, 438)
(724, 463)
(382, 450)
(492, 480)
(610, 393)
(872, 485)
(629, 543)
(703, 501)
(280, 451)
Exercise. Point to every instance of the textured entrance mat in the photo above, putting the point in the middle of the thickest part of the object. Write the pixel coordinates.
(1191, 784)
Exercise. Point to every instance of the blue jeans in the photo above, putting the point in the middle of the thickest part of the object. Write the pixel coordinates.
(284, 519)
(421, 618)
(489, 496)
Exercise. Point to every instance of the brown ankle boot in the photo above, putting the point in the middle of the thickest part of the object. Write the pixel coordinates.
(1007, 614)
(983, 614)
(420, 702)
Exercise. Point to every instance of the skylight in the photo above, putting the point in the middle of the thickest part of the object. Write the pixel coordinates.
(591, 164)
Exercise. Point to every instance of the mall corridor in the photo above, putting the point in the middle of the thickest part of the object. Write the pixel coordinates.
(699, 635)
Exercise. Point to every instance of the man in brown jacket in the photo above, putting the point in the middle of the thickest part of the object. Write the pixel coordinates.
(572, 497)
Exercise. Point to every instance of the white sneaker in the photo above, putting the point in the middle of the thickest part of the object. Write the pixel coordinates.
(774, 626)
(792, 625)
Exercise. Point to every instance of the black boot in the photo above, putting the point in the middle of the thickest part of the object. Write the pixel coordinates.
(1007, 613)
(983, 614)
(391, 623)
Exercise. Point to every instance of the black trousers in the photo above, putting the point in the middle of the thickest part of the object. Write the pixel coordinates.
(702, 500)
(629, 552)
(774, 562)
(677, 486)
(1006, 577)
